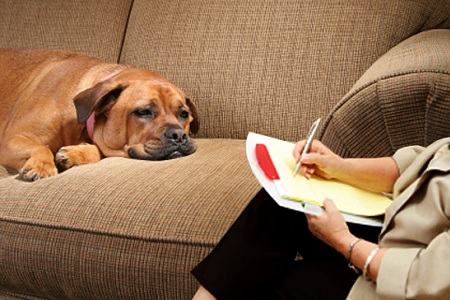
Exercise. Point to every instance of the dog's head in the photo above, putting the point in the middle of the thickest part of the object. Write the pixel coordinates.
(139, 115)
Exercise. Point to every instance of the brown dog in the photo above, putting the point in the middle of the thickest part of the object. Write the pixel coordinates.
(59, 109)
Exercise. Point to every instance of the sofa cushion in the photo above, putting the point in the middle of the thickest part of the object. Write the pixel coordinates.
(403, 99)
(121, 228)
(93, 27)
(270, 66)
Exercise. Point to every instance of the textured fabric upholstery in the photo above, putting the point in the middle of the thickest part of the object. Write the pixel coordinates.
(89, 234)
(403, 99)
(278, 63)
(94, 27)
(376, 72)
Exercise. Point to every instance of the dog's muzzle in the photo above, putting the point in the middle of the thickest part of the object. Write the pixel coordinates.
(177, 143)
(174, 143)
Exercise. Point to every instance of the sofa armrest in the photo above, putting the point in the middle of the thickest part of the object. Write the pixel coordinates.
(402, 99)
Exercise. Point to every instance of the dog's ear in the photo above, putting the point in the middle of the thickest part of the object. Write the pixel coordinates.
(195, 124)
(100, 98)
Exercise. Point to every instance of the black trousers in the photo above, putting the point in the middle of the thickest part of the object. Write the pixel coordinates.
(259, 258)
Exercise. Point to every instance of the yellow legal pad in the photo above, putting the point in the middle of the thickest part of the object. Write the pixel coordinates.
(348, 199)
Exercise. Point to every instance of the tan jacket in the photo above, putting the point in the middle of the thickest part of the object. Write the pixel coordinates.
(416, 230)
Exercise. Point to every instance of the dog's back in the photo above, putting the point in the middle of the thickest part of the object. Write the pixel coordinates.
(27, 80)
(34, 84)
(37, 88)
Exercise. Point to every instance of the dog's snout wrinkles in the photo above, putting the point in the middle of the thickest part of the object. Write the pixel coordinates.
(176, 135)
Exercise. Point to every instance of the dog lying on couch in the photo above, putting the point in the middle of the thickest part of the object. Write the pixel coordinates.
(60, 109)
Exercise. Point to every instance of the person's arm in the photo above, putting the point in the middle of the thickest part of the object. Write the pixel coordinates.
(419, 272)
(377, 174)
(331, 228)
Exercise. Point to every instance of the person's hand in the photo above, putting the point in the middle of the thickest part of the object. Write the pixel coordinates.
(329, 226)
(319, 160)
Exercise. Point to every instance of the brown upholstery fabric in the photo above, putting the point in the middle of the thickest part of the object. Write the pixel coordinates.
(128, 229)
(403, 99)
(269, 66)
(73, 236)
(96, 27)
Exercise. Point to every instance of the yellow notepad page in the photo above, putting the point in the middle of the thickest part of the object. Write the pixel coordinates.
(348, 199)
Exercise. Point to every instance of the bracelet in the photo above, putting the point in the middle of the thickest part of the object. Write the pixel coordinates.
(349, 256)
(368, 261)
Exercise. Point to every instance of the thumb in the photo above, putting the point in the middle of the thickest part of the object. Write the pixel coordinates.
(329, 205)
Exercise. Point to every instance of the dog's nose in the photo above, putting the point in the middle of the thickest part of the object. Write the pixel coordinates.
(176, 135)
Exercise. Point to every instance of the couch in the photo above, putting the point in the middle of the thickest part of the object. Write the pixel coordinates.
(377, 72)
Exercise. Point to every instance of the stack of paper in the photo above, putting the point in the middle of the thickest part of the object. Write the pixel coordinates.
(348, 199)
(361, 205)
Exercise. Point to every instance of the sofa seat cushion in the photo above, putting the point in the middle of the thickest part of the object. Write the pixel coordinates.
(121, 228)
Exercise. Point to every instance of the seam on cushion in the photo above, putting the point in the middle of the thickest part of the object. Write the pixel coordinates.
(20, 296)
(127, 23)
(428, 104)
(382, 108)
(109, 234)
(338, 137)
(366, 85)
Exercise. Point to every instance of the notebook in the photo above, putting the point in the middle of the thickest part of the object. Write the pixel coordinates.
(350, 200)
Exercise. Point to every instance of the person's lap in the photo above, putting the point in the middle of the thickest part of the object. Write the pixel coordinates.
(258, 257)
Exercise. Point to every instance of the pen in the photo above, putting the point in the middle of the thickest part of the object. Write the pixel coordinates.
(309, 139)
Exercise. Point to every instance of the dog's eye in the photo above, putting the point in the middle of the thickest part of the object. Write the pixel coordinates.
(144, 113)
(184, 114)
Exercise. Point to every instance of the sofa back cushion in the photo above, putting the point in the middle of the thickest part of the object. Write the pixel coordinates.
(95, 27)
(269, 66)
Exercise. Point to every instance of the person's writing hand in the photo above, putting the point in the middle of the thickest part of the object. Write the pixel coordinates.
(319, 160)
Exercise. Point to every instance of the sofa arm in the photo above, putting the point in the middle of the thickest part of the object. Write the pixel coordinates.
(402, 99)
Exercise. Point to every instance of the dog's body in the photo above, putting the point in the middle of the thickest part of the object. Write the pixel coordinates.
(81, 109)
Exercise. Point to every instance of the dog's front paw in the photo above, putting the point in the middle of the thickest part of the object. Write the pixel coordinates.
(37, 169)
(63, 161)
(70, 156)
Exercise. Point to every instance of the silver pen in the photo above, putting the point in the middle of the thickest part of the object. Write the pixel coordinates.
(309, 139)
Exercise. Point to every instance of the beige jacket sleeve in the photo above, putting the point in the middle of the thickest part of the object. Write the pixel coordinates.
(416, 231)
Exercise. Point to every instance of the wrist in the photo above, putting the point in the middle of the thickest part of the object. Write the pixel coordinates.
(342, 169)
(349, 256)
(344, 243)
(369, 260)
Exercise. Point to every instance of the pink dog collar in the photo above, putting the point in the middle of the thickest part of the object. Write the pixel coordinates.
(90, 125)
(91, 120)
